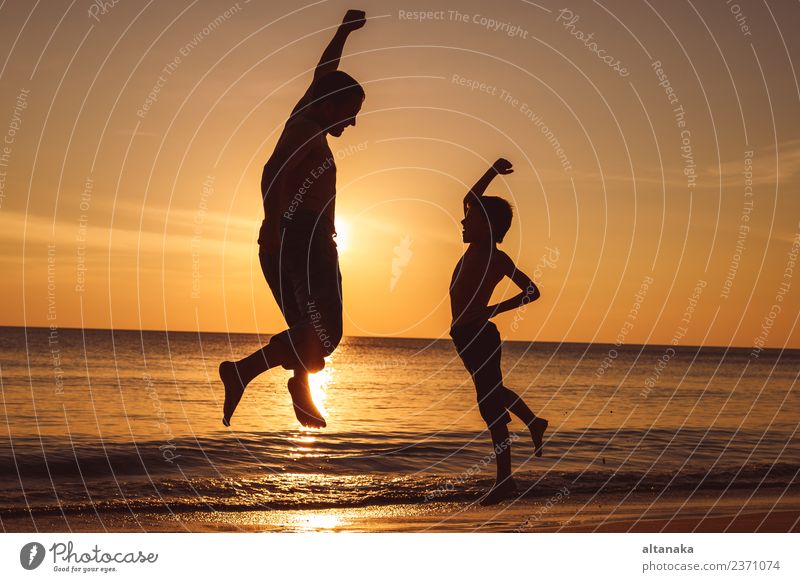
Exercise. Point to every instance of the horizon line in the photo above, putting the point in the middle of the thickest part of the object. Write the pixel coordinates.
(558, 342)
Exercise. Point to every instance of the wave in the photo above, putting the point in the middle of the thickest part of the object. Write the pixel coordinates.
(303, 470)
(256, 454)
(316, 492)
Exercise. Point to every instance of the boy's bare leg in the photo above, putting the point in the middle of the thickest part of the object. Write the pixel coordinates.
(237, 375)
(504, 485)
(536, 425)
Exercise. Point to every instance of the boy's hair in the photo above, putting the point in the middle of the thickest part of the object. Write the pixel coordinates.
(499, 213)
(335, 85)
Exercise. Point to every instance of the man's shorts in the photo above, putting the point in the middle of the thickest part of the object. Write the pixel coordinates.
(307, 285)
(478, 346)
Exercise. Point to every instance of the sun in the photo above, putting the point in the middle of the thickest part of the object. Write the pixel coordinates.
(342, 235)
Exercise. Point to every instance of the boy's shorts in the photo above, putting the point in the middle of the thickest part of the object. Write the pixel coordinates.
(478, 346)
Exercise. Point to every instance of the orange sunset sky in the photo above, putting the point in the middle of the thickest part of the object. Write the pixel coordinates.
(655, 191)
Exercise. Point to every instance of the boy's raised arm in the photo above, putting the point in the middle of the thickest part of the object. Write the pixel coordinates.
(353, 20)
(501, 166)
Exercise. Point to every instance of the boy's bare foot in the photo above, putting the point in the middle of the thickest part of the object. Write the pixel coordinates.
(233, 390)
(304, 408)
(506, 489)
(537, 427)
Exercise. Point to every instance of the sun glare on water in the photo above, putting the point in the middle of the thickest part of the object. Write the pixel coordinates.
(317, 522)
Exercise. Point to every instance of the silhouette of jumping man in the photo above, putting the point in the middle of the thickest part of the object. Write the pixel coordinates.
(486, 221)
(297, 250)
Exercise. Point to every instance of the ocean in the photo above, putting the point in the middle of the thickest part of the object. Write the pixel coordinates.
(130, 421)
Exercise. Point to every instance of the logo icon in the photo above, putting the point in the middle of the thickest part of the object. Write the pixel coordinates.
(402, 256)
(31, 555)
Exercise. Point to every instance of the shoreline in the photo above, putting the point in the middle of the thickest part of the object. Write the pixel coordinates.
(774, 511)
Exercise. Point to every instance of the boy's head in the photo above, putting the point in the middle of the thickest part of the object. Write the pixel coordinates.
(488, 219)
(337, 99)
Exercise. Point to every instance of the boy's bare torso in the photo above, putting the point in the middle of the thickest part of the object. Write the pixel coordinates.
(474, 279)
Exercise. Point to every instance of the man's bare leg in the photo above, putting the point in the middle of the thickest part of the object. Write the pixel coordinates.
(305, 410)
(237, 375)
(309, 359)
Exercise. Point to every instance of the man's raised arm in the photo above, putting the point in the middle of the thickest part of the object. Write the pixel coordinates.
(353, 20)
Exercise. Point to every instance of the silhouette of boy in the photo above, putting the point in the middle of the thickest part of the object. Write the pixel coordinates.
(486, 221)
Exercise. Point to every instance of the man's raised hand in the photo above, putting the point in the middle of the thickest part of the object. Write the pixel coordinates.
(353, 20)
(502, 166)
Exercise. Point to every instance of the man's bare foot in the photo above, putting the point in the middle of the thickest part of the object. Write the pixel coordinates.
(304, 408)
(499, 492)
(233, 390)
(537, 427)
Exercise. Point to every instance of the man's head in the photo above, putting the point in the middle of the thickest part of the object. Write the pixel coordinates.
(488, 219)
(337, 99)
